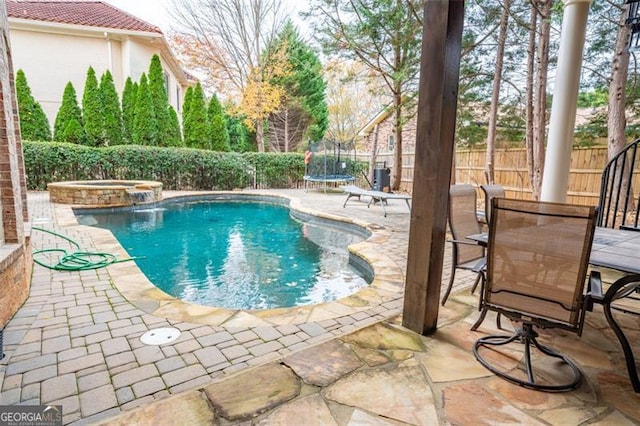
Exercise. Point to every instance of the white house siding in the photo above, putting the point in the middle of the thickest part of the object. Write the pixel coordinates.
(50, 60)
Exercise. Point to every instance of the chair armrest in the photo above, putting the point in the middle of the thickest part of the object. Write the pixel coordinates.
(595, 285)
(594, 294)
(467, 242)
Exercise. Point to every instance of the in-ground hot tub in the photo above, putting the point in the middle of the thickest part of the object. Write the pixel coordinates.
(105, 192)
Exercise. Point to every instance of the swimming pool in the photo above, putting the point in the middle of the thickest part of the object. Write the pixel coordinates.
(237, 253)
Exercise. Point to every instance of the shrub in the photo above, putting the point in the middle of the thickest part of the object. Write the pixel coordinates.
(176, 168)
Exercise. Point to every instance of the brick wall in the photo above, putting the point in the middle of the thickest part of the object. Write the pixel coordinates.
(15, 276)
(15, 250)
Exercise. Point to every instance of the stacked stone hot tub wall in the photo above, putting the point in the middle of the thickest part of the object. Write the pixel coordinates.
(101, 193)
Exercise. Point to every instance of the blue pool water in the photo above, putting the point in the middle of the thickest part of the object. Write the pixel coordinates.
(241, 255)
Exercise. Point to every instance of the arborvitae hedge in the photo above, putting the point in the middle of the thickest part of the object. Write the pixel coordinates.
(174, 135)
(92, 111)
(218, 126)
(33, 121)
(160, 101)
(68, 125)
(129, 108)
(176, 168)
(145, 127)
(186, 104)
(111, 112)
(196, 126)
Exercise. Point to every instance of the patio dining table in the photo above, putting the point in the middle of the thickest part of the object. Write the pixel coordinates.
(618, 250)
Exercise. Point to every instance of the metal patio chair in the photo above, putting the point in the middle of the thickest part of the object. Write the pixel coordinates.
(619, 202)
(463, 221)
(490, 192)
(537, 260)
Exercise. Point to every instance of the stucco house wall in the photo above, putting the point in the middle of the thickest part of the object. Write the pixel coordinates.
(54, 53)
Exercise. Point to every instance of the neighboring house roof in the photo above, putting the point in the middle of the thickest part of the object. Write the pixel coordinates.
(86, 13)
(377, 119)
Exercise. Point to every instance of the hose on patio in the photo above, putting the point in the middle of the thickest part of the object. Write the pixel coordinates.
(78, 260)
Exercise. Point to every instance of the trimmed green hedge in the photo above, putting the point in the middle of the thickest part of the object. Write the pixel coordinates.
(176, 168)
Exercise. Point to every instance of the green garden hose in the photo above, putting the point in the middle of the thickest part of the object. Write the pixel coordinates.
(76, 261)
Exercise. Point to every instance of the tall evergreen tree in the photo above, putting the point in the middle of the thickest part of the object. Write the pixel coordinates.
(34, 125)
(160, 100)
(129, 95)
(112, 114)
(68, 125)
(186, 104)
(385, 35)
(218, 126)
(196, 126)
(145, 128)
(92, 111)
(303, 113)
(174, 135)
(239, 135)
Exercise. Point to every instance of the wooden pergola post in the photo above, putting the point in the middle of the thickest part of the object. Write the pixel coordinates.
(435, 145)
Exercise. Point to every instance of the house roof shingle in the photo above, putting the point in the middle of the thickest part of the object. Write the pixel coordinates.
(88, 13)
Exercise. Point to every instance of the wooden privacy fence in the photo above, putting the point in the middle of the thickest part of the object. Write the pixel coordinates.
(511, 172)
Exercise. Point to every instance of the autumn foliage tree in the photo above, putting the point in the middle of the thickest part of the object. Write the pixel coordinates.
(225, 40)
(33, 121)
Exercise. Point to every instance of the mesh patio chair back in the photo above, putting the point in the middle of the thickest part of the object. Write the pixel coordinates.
(491, 192)
(463, 221)
(537, 260)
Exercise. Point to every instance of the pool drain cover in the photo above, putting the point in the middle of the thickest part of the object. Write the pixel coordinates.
(160, 336)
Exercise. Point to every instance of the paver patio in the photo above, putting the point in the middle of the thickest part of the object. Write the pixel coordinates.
(75, 342)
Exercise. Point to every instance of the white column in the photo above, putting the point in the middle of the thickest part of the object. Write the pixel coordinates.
(555, 180)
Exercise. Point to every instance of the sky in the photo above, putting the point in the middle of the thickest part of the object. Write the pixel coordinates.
(155, 11)
(152, 11)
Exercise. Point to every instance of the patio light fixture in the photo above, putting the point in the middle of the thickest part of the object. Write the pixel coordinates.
(633, 22)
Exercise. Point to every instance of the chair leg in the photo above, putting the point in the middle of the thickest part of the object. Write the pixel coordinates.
(483, 314)
(477, 281)
(620, 289)
(450, 286)
(528, 336)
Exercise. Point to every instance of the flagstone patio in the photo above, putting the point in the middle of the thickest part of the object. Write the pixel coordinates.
(76, 342)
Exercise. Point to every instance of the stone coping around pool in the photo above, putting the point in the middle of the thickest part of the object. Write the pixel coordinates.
(132, 283)
(104, 193)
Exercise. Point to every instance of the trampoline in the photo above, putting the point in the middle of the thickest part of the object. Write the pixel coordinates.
(329, 162)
